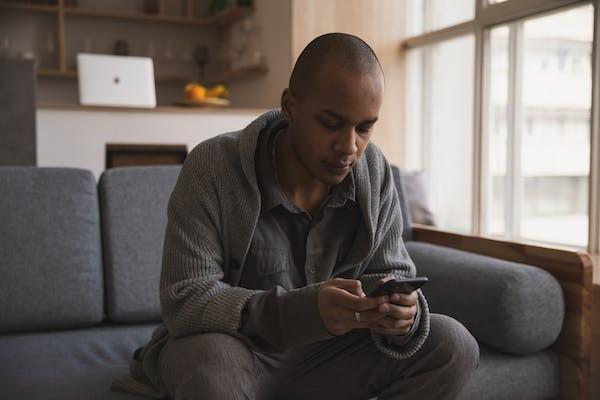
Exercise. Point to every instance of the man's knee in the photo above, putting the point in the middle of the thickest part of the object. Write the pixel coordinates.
(455, 345)
(208, 364)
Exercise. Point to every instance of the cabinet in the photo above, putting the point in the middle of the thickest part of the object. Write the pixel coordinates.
(54, 31)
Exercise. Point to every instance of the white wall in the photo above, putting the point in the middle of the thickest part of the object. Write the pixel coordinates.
(77, 137)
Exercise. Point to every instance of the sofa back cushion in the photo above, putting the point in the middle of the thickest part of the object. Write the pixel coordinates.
(402, 196)
(50, 251)
(134, 217)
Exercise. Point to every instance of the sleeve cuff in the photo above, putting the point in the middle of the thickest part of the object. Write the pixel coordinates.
(400, 340)
(413, 342)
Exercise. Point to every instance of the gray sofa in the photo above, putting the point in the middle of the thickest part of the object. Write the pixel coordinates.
(80, 267)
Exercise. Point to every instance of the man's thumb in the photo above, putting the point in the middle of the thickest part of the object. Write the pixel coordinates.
(353, 286)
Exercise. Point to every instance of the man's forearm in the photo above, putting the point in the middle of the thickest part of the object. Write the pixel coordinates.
(278, 319)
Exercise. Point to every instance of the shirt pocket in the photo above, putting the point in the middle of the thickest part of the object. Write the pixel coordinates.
(270, 260)
(267, 267)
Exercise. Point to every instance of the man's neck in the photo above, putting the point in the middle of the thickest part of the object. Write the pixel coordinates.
(295, 181)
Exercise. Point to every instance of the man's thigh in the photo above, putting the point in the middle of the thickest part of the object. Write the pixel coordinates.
(352, 367)
(209, 366)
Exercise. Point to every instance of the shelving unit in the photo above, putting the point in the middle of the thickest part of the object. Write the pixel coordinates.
(62, 11)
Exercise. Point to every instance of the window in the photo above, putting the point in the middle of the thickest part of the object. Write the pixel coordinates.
(499, 115)
(428, 15)
(443, 108)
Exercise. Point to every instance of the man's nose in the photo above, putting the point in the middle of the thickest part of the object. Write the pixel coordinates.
(346, 141)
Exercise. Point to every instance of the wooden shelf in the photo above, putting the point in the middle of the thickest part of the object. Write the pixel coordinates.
(63, 14)
(219, 78)
(227, 16)
(241, 73)
(28, 7)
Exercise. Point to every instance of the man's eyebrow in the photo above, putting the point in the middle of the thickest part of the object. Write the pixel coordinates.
(343, 118)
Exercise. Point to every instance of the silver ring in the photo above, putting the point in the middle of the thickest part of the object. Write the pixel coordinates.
(357, 316)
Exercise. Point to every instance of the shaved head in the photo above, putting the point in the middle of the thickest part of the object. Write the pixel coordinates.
(348, 52)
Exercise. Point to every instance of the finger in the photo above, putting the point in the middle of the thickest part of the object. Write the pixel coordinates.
(387, 278)
(405, 299)
(369, 316)
(398, 312)
(353, 286)
(392, 327)
(390, 322)
(355, 303)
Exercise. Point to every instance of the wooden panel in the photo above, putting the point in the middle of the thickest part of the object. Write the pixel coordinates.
(573, 269)
(126, 155)
(595, 372)
(311, 18)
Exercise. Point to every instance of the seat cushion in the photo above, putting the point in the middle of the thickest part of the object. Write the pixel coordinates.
(502, 376)
(50, 250)
(134, 218)
(510, 306)
(72, 364)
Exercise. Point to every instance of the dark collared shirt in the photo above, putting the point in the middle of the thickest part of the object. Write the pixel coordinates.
(290, 247)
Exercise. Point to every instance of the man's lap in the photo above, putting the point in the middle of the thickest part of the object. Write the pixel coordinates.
(349, 366)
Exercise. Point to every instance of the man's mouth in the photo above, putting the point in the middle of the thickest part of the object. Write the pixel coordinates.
(339, 167)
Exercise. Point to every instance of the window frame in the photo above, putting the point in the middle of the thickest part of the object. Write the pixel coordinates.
(506, 13)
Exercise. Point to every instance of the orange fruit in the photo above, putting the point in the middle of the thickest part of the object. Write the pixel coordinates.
(196, 93)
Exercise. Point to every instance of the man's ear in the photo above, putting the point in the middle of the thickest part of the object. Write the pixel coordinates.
(288, 103)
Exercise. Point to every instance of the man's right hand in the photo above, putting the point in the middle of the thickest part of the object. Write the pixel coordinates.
(340, 298)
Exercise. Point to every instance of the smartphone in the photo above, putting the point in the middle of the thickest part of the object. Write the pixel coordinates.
(405, 286)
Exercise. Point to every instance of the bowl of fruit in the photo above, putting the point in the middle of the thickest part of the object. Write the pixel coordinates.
(197, 95)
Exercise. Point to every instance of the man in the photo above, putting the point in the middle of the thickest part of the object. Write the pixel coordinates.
(274, 235)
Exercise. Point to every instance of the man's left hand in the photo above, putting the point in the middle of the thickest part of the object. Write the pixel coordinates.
(399, 313)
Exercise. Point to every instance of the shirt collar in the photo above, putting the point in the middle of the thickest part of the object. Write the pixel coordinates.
(272, 194)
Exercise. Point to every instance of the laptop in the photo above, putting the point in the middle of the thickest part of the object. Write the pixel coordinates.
(119, 81)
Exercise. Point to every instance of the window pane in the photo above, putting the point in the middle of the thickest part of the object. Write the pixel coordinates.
(495, 180)
(428, 15)
(443, 119)
(555, 126)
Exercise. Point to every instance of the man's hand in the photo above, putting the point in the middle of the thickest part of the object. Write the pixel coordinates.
(400, 313)
(340, 298)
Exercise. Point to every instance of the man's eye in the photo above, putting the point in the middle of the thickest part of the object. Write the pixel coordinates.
(328, 125)
(364, 129)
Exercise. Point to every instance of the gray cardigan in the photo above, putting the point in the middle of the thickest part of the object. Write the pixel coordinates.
(212, 213)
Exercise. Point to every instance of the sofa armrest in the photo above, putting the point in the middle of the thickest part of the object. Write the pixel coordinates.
(512, 307)
(572, 268)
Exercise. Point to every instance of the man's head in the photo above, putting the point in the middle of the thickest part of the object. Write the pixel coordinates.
(331, 104)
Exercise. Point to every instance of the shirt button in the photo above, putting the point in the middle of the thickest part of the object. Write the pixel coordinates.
(313, 270)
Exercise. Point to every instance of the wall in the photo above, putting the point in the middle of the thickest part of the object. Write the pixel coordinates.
(379, 23)
(264, 91)
(81, 142)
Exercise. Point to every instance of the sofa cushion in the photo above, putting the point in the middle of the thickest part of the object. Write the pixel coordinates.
(510, 306)
(502, 376)
(50, 250)
(402, 196)
(134, 217)
(72, 364)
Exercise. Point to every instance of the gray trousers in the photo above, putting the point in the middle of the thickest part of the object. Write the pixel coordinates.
(218, 366)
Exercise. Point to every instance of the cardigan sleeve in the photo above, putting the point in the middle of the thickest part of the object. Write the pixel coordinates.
(391, 258)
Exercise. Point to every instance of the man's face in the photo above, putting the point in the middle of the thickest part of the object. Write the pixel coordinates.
(331, 124)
